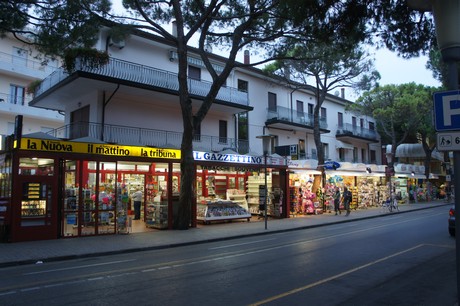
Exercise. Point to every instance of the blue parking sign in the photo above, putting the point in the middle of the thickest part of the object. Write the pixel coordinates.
(447, 110)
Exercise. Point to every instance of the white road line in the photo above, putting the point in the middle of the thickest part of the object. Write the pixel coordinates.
(238, 244)
(325, 280)
(80, 267)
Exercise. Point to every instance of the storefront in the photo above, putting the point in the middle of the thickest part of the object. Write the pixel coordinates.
(75, 188)
(232, 186)
(367, 183)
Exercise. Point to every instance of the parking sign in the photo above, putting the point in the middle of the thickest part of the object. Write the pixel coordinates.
(447, 110)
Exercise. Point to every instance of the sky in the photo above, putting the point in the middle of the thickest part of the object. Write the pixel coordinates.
(396, 70)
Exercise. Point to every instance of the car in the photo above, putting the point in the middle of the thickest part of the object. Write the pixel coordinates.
(452, 221)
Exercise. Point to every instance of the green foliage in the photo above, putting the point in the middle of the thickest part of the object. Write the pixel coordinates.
(400, 110)
(33, 86)
(89, 58)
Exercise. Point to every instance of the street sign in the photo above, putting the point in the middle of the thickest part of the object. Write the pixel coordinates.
(448, 141)
(447, 110)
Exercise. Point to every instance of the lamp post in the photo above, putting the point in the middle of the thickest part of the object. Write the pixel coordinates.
(447, 22)
(266, 144)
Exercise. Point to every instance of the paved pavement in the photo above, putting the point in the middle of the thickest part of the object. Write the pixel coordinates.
(49, 250)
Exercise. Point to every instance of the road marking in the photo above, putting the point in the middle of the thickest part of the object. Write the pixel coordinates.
(80, 267)
(325, 280)
(238, 244)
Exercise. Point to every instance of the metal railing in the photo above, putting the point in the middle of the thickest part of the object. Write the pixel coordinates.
(353, 130)
(137, 73)
(127, 135)
(11, 59)
(293, 116)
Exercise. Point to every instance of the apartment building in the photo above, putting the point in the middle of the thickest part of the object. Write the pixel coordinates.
(19, 67)
(122, 133)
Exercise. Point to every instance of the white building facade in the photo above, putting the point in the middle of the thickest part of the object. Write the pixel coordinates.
(19, 68)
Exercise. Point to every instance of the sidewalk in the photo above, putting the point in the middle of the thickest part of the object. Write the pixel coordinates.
(49, 250)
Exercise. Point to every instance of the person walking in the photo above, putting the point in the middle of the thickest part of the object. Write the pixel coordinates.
(347, 200)
(337, 200)
(137, 199)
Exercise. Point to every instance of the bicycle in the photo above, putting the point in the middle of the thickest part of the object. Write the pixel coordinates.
(390, 205)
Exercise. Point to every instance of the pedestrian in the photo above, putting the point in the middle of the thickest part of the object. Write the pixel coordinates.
(137, 199)
(346, 200)
(337, 200)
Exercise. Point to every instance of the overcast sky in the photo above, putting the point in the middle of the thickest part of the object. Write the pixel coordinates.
(396, 70)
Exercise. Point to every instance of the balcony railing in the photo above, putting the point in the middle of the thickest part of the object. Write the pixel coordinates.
(293, 116)
(357, 131)
(16, 61)
(126, 135)
(137, 73)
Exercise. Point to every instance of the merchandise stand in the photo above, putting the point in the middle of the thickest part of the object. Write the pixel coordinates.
(208, 211)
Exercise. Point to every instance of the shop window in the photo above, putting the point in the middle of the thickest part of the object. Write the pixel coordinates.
(71, 205)
(35, 203)
(36, 166)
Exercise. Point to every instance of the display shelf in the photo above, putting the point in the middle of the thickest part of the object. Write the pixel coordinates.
(221, 210)
(237, 196)
(252, 191)
(157, 215)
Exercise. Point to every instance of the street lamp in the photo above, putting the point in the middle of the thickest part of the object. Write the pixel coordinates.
(266, 144)
(447, 22)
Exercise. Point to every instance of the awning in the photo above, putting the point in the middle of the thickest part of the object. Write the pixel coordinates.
(341, 145)
(414, 150)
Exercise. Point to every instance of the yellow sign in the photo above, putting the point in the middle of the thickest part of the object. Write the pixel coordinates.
(96, 148)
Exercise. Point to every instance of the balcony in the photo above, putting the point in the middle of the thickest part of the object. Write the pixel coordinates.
(17, 104)
(143, 77)
(283, 117)
(352, 132)
(136, 136)
(23, 66)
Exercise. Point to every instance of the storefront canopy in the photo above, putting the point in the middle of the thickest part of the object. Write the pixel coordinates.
(414, 150)
(342, 145)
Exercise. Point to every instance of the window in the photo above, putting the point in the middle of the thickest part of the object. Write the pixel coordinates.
(197, 132)
(323, 113)
(341, 154)
(353, 121)
(300, 110)
(363, 155)
(302, 149)
(340, 119)
(373, 156)
(310, 108)
(371, 126)
(326, 151)
(194, 73)
(17, 94)
(272, 101)
(361, 122)
(243, 127)
(243, 85)
(222, 131)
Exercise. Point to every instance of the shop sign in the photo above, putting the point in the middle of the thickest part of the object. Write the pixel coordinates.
(227, 158)
(331, 165)
(95, 148)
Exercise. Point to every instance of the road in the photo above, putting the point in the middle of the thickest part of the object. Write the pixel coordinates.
(400, 259)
